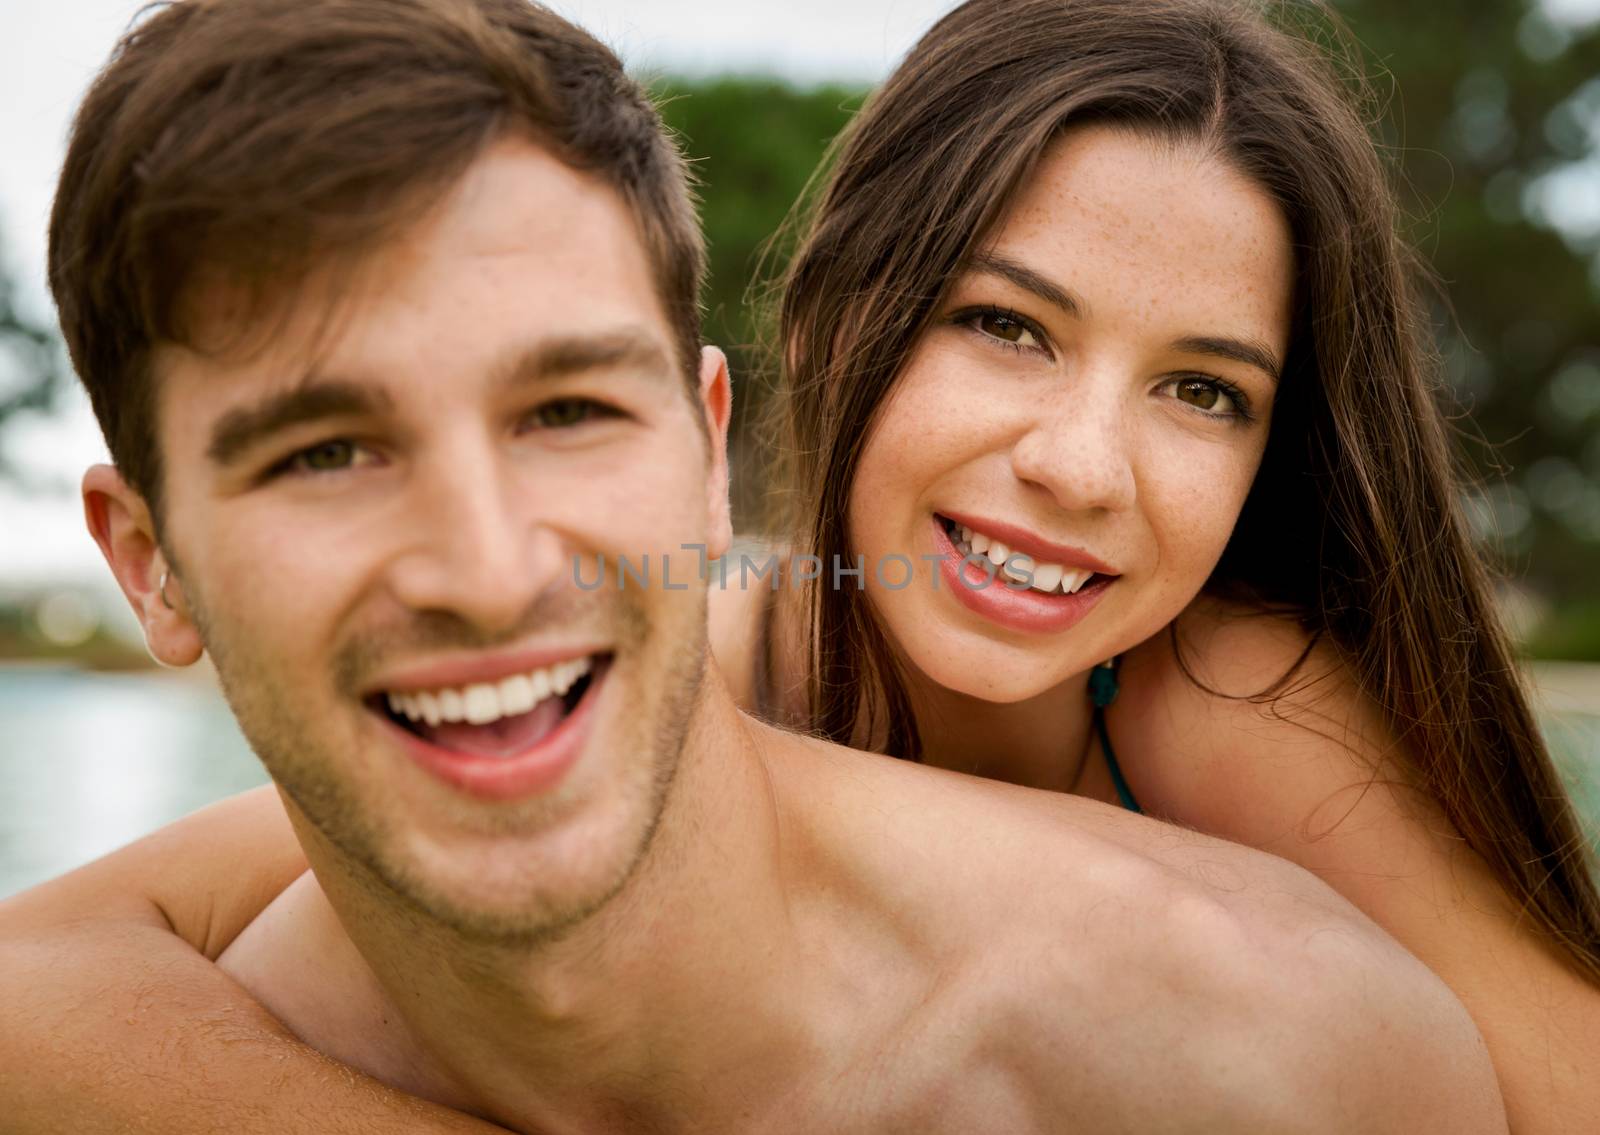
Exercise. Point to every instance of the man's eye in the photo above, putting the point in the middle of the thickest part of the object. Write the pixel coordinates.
(325, 457)
(564, 413)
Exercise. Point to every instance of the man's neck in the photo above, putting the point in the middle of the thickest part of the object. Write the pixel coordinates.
(683, 981)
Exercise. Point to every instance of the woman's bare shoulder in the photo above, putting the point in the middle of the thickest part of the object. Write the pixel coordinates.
(1241, 722)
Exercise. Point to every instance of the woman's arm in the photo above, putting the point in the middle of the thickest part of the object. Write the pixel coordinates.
(115, 1018)
(1312, 777)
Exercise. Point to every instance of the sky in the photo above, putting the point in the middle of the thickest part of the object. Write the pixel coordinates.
(50, 49)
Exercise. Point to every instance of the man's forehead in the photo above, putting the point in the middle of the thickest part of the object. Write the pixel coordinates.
(524, 258)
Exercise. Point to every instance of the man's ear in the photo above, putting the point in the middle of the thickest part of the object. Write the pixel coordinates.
(120, 522)
(716, 403)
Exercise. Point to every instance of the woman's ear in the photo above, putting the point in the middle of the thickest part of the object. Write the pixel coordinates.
(716, 403)
(120, 522)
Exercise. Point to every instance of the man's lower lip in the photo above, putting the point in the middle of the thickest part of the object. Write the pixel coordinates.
(1015, 609)
(538, 769)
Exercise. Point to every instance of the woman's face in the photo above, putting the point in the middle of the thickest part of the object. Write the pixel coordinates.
(1093, 395)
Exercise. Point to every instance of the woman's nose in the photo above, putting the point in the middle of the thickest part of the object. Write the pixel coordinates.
(1078, 449)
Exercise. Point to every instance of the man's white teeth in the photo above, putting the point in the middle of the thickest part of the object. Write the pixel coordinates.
(481, 704)
(516, 695)
(484, 702)
(1048, 578)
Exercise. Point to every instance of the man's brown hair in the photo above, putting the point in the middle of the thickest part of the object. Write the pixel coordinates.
(243, 143)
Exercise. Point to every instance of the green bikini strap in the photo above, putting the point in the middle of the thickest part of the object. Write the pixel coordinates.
(1102, 692)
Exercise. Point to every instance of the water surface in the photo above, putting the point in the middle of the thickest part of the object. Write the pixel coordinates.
(89, 762)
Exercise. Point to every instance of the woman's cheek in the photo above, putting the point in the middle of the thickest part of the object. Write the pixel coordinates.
(1196, 503)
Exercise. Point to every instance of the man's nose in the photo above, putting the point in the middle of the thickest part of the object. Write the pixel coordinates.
(480, 548)
(1078, 446)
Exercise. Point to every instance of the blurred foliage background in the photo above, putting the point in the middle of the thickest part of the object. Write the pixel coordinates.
(31, 370)
(1491, 112)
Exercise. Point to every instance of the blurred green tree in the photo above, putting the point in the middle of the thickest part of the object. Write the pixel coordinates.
(1493, 114)
(754, 143)
(30, 371)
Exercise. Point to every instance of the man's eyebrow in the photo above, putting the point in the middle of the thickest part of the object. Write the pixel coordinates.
(563, 357)
(245, 427)
(1030, 281)
(1251, 352)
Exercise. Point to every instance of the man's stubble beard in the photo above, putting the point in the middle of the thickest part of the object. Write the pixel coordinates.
(307, 767)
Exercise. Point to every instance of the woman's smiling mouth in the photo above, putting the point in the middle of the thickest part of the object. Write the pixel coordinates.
(1007, 585)
(1017, 567)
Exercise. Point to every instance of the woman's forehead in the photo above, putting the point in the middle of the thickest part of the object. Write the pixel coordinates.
(1140, 225)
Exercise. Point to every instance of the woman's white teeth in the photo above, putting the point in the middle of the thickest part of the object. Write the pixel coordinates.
(484, 702)
(1048, 578)
(1072, 580)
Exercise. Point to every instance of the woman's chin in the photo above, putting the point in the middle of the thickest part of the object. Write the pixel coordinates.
(1003, 682)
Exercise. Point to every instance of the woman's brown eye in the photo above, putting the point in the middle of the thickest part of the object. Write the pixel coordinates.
(1201, 395)
(1002, 327)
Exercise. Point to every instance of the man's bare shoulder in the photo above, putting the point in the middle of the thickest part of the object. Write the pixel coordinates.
(1078, 849)
(1129, 967)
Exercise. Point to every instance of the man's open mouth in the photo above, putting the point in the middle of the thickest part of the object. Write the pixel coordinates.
(494, 719)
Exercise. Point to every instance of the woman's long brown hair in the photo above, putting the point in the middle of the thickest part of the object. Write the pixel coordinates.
(1354, 520)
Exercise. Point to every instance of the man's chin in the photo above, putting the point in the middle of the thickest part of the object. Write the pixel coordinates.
(517, 869)
(525, 887)
(509, 846)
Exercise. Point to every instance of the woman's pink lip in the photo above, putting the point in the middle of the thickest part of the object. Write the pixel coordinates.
(1031, 612)
(1021, 540)
(539, 768)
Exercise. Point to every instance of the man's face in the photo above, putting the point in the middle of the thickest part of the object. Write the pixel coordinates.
(376, 521)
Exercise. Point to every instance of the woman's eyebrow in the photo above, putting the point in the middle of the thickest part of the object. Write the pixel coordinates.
(1251, 352)
(1030, 281)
